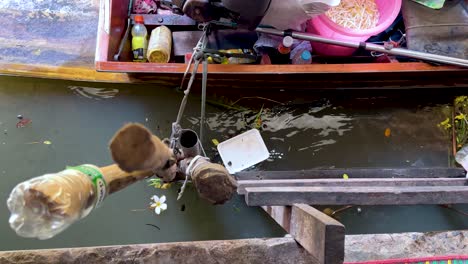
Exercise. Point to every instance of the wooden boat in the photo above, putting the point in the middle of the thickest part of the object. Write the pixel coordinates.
(388, 73)
(58, 41)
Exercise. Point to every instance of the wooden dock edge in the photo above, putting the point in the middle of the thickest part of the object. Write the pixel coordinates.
(322, 236)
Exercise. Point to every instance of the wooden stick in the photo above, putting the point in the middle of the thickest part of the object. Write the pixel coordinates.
(117, 179)
(135, 148)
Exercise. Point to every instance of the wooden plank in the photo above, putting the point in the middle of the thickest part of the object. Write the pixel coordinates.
(351, 183)
(260, 196)
(434, 172)
(281, 214)
(391, 69)
(322, 236)
(47, 44)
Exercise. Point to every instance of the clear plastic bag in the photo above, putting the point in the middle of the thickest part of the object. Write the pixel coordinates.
(45, 206)
(292, 14)
(462, 158)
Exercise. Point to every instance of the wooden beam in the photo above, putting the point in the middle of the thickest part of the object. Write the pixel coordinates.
(435, 172)
(322, 236)
(260, 196)
(351, 183)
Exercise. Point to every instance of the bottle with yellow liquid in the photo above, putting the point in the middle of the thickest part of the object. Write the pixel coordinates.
(139, 39)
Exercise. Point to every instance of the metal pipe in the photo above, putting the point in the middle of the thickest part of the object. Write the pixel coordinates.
(203, 97)
(369, 47)
(189, 143)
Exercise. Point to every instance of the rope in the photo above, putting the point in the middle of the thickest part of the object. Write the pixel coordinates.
(197, 56)
(203, 98)
(191, 167)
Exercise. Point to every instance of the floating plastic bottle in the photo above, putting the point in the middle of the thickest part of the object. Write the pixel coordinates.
(45, 206)
(139, 39)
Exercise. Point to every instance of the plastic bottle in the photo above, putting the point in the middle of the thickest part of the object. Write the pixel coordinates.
(139, 39)
(301, 54)
(285, 46)
(160, 44)
(303, 58)
(45, 206)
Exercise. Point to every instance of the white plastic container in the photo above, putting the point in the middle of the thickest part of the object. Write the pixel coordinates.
(243, 151)
(292, 14)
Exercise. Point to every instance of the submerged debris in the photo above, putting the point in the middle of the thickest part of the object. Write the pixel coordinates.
(388, 132)
(23, 122)
(155, 226)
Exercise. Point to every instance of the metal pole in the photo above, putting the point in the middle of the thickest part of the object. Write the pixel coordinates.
(369, 47)
(203, 97)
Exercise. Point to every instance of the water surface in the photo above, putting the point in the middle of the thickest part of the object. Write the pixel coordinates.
(320, 129)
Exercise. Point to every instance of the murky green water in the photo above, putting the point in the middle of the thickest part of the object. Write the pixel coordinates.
(321, 129)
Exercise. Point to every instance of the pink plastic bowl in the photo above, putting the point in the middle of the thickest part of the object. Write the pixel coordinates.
(323, 26)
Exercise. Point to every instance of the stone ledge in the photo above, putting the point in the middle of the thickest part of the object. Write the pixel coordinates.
(273, 250)
(405, 245)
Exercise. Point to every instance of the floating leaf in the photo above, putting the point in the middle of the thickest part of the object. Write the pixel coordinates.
(166, 186)
(328, 211)
(156, 183)
(460, 116)
(345, 176)
(387, 132)
(47, 142)
(215, 141)
(258, 119)
(460, 99)
(445, 124)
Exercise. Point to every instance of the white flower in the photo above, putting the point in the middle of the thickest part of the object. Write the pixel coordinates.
(158, 204)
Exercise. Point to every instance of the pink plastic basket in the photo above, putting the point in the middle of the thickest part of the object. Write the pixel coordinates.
(323, 26)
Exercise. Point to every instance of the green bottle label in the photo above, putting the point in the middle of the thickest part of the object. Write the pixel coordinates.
(95, 175)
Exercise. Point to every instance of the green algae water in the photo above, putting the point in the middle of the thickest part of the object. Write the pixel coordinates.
(72, 122)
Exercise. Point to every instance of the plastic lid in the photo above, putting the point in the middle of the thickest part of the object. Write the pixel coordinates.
(288, 41)
(139, 19)
(306, 55)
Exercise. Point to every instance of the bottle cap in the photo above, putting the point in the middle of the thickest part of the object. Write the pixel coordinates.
(306, 55)
(139, 19)
(288, 41)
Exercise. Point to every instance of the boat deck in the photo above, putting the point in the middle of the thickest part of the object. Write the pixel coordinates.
(58, 41)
